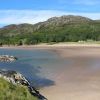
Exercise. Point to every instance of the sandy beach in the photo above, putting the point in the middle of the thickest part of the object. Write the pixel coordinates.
(56, 45)
(79, 80)
(78, 77)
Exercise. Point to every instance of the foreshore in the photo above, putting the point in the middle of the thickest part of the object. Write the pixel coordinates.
(76, 74)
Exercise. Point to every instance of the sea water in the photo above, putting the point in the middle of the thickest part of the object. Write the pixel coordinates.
(31, 64)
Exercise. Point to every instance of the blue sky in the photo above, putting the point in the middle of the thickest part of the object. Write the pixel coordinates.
(33, 11)
(67, 5)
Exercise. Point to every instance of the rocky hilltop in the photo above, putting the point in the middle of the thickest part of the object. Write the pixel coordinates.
(57, 29)
(59, 21)
(54, 21)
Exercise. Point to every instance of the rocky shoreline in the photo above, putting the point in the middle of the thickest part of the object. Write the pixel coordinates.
(18, 79)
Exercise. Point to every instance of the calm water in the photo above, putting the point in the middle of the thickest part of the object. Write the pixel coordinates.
(31, 64)
(46, 68)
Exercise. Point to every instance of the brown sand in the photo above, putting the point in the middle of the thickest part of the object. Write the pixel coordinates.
(79, 80)
(47, 46)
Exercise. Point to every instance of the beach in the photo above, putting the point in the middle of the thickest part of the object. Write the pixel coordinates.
(55, 45)
(77, 77)
(79, 80)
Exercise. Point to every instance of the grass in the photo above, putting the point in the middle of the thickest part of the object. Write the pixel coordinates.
(9, 91)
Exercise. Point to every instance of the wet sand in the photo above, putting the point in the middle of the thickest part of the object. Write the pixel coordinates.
(76, 74)
(78, 79)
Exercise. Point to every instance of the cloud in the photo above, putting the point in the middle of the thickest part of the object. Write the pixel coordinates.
(34, 16)
(26, 16)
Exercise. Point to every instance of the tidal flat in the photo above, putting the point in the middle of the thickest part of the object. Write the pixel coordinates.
(65, 73)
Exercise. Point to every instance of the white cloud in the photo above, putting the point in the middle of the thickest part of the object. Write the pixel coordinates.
(31, 16)
(23, 16)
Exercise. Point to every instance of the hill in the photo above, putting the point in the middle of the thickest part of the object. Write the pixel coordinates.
(57, 29)
(12, 92)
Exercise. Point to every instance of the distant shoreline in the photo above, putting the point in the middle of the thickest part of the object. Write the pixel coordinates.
(56, 45)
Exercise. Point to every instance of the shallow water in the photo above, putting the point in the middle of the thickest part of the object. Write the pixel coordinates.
(47, 68)
(30, 64)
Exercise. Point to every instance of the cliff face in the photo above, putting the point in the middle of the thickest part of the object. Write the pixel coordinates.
(18, 79)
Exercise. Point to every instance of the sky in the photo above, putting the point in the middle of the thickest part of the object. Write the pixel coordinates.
(33, 11)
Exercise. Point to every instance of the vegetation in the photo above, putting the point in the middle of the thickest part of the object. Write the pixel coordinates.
(9, 91)
(57, 29)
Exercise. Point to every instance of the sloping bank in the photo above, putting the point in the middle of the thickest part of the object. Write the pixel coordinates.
(9, 91)
(14, 86)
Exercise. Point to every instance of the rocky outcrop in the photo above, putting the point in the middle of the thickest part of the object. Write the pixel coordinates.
(17, 78)
(21, 29)
(7, 58)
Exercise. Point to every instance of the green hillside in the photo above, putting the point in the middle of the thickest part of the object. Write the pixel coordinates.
(57, 29)
(9, 91)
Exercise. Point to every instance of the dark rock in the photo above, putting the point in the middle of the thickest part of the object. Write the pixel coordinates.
(17, 78)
